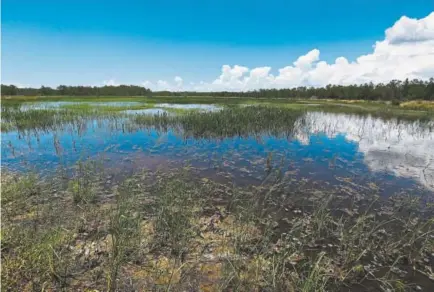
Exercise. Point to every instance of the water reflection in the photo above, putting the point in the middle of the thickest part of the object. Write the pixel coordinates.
(321, 147)
(405, 149)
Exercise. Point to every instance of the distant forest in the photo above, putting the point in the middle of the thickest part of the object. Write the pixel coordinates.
(394, 90)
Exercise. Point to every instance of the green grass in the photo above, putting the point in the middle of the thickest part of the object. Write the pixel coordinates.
(83, 186)
(418, 105)
(50, 119)
(124, 231)
(413, 109)
(176, 230)
(172, 230)
(36, 119)
(230, 121)
(270, 116)
(106, 108)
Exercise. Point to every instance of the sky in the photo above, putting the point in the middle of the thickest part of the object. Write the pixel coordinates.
(215, 45)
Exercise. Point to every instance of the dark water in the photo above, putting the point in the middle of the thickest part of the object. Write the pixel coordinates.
(323, 147)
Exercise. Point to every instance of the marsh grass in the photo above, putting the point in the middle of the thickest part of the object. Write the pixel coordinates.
(39, 119)
(49, 119)
(106, 107)
(84, 183)
(228, 122)
(171, 231)
(233, 119)
(343, 247)
(40, 259)
(177, 206)
(418, 105)
(124, 231)
(34, 238)
(174, 230)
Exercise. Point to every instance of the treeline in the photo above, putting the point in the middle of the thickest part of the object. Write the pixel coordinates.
(394, 90)
(121, 90)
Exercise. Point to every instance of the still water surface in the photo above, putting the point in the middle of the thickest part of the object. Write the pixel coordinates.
(323, 147)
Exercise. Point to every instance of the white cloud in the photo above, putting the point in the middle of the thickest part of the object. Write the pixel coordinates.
(305, 62)
(148, 84)
(163, 85)
(17, 84)
(110, 82)
(411, 30)
(407, 51)
(178, 82)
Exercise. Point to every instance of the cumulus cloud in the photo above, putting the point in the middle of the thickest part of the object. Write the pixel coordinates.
(163, 85)
(407, 51)
(411, 30)
(110, 82)
(17, 84)
(305, 62)
(178, 82)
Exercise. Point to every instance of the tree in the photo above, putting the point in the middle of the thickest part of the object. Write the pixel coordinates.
(9, 90)
(394, 90)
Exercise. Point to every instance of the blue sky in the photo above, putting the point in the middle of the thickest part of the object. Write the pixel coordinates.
(88, 42)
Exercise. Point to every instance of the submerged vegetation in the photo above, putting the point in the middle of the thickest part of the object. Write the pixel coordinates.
(229, 223)
(171, 231)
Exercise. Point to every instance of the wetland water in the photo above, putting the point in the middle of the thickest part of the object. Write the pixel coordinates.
(320, 147)
(273, 199)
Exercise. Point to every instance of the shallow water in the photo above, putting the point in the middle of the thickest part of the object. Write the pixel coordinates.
(405, 149)
(329, 148)
(59, 104)
(147, 111)
(204, 107)
(46, 105)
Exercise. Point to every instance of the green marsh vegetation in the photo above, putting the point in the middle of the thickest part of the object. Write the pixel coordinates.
(416, 97)
(230, 121)
(418, 105)
(174, 231)
(14, 118)
(177, 229)
(88, 106)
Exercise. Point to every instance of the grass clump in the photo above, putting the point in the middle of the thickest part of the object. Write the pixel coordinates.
(124, 232)
(14, 118)
(176, 231)
(83, 185)
(229, 122)
(34, 119)
(105, 107)
(40, 259)
(418, 105)
(176, 207)
(35, 253)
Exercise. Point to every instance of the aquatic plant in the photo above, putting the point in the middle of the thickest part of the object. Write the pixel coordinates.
(228, 122)
(84, 183)
(184, 228)
(173, 230)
